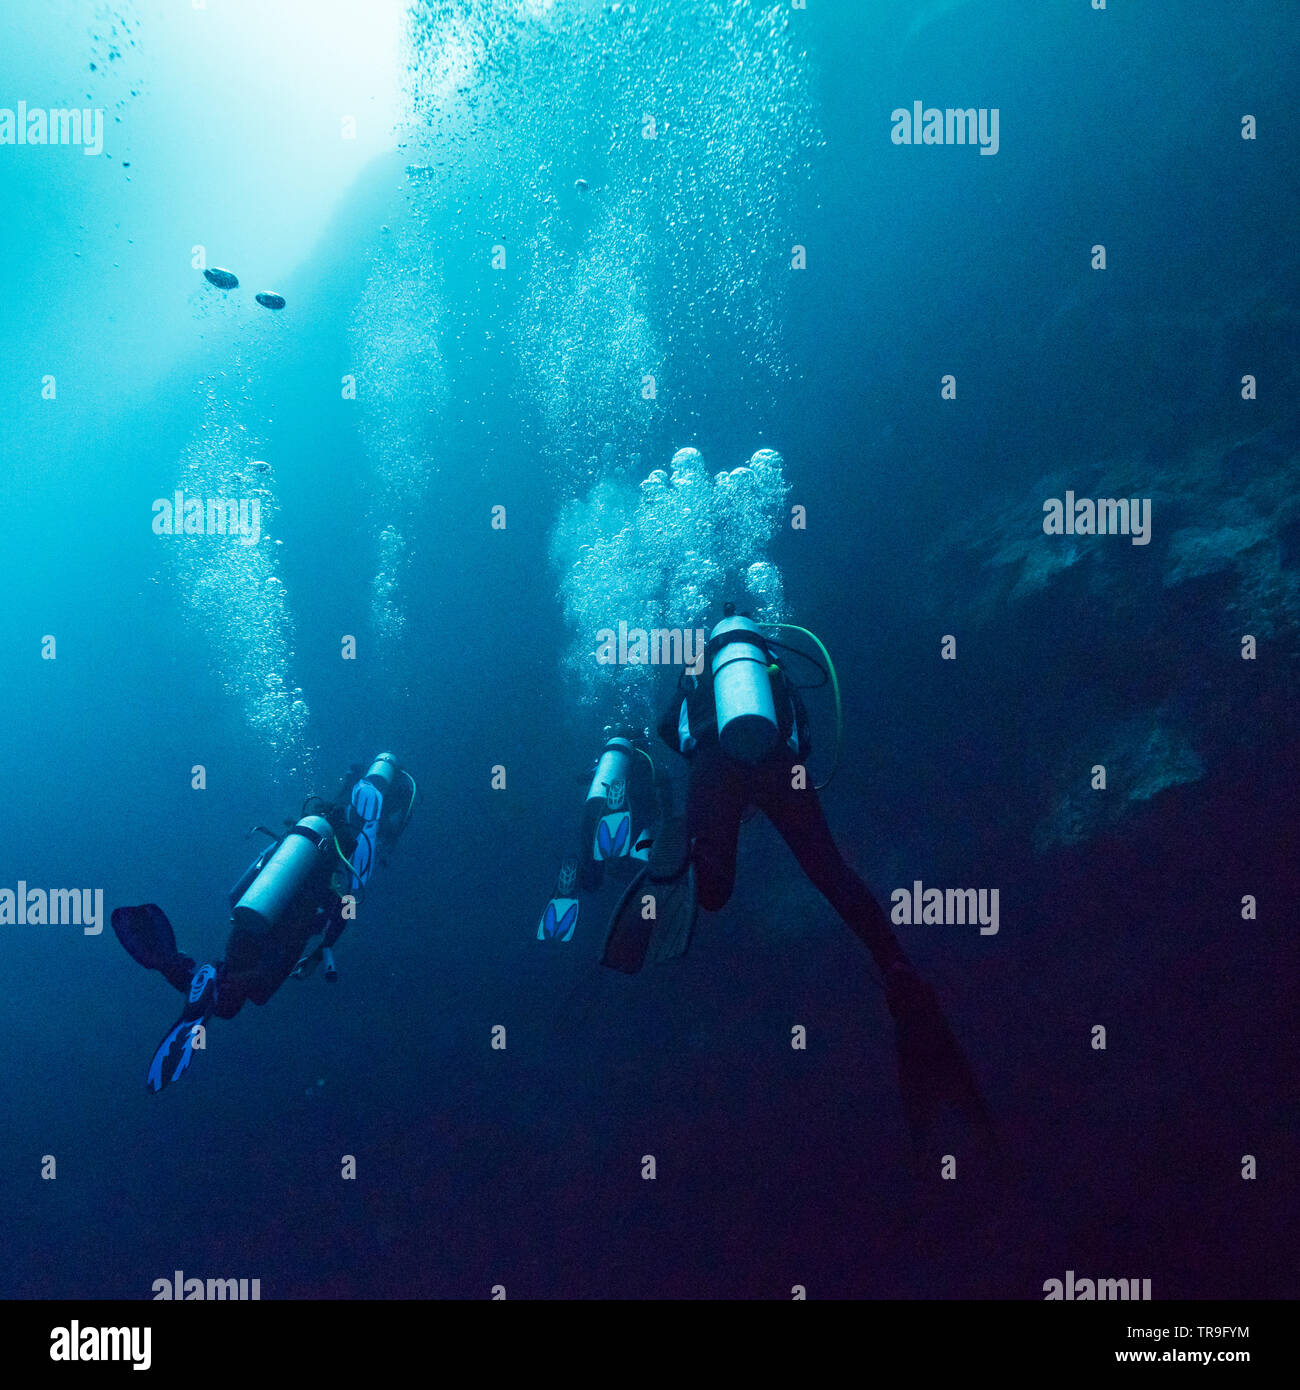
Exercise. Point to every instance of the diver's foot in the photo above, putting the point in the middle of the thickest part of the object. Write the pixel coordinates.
(203, 993)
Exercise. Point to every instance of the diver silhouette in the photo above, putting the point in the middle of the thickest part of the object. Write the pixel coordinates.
(303, 886)
(742, 725)
(628, 796)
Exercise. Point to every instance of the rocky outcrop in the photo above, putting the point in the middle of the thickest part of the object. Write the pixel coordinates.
(1144, 659)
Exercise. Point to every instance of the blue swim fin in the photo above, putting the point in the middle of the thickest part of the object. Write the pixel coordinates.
(177, 1049)
(174, 1053)
(613, 837)
(560, 918)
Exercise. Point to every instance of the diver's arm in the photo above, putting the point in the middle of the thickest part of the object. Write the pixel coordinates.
(667, 726)
(692, 699)
(670, 722)
(663, 793)
(802, 729)
(335, 923)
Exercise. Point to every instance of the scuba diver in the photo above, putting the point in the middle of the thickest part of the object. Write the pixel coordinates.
(627, 796)
(301, 888)
(742, 726)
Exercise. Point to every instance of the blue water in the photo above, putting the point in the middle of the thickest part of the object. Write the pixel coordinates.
(524, 387)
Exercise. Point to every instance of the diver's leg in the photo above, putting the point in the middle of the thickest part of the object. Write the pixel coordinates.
(237, 988)
(261, 984)
(932, 1068)
(715, 803)
(284, 949)
(253, 971)
(798, 816)
(591, 871)
(334, 925)
(232, 990)
(180, 972)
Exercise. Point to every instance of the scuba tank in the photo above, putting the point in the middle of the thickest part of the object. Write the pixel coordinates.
(256, 867)
(367, 806)
(382, 771)
(606, 820)
(614, 765)
(742, 690)
(366, 802)
(276, 889)
(606, 811)
(370, 800)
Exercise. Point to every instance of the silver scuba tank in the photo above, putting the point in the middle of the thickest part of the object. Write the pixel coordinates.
(272, 893)
(250, 874)
(742, 691)
(614, 765)
(382, 771)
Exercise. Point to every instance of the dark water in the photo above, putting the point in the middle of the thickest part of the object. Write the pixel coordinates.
(523, 388)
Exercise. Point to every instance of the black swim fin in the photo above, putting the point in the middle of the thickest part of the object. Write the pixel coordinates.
(932, 1068)
(628, 937)
(656, 913)
(148, 938)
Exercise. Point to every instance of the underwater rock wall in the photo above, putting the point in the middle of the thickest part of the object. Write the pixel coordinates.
(1150, 673)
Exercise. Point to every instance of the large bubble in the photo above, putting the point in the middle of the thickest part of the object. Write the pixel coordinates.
(666, 554)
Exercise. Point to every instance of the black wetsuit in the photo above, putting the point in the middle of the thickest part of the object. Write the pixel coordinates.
(932, 1068)
(255, 966)
(721, 788)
